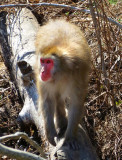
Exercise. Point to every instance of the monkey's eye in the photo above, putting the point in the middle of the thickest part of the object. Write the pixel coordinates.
(42, 60)
(48, 61)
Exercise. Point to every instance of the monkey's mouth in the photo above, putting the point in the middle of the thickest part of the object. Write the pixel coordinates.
(45, 76)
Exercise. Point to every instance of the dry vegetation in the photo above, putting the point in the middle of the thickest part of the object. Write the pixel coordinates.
(104, 95)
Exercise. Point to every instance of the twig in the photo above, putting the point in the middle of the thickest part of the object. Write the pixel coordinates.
(25, 137)
(59, 6)
(2, 90)
(17, 154)
(96, 98)
(45, 4)
(118, 59)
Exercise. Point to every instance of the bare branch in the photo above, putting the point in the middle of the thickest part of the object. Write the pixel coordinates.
(17, 154)
(96, 98)
(59, 6)
(17, 135)
(45, 4)
(118, 59)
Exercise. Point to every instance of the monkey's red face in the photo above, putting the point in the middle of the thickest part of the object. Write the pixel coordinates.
(47, 64)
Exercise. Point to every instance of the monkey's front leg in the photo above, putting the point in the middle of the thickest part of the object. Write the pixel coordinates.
(75, 114)
(61, 120)
(48, 108)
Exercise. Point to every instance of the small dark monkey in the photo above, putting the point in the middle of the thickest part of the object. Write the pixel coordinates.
(63, 63)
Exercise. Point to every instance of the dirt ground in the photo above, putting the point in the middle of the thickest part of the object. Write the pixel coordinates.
(102, 119)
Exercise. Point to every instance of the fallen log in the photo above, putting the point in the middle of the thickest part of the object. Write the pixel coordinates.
(17, 37)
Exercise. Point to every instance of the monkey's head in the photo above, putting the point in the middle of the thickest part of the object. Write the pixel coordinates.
(49, 68)
(53, 65)
(49, 65)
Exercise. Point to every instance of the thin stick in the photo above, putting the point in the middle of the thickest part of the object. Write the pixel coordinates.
(96, 98)
(118, 59)
(59, 6)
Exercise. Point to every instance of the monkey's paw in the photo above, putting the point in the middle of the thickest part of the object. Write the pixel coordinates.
(73, 144)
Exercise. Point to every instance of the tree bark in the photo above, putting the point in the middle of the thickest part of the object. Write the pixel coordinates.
(17, 46)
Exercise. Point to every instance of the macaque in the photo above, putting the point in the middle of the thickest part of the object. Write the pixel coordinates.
(63, 63)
